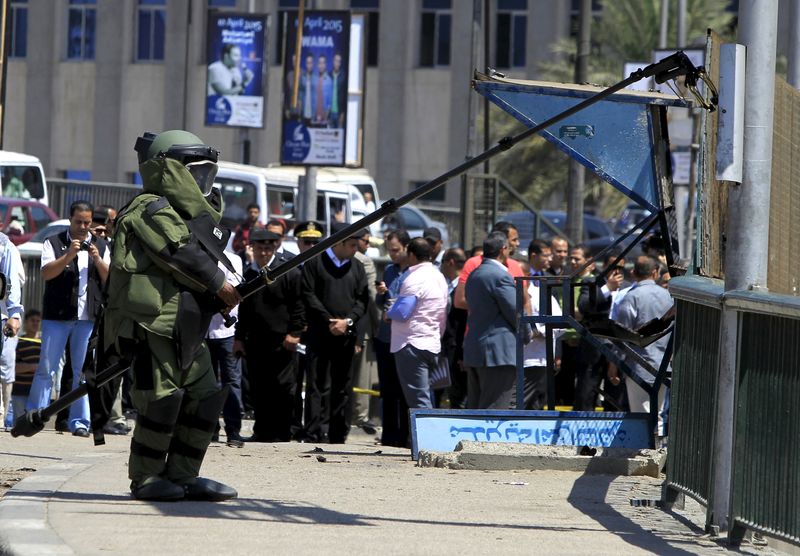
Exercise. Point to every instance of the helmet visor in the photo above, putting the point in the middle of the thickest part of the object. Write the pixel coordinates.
(204, 172)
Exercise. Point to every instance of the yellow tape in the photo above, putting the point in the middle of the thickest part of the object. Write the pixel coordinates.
(357, 390)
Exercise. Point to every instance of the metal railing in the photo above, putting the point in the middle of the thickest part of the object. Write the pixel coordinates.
(766, 474)
(694, 385)
(63, 193)
(765, 488)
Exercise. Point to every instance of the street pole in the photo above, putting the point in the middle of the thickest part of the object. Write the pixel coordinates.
(793, 75)
(664, 25)
(747, 248)
(681, 24)
(5, 26)
(468, 191)
(577, 172)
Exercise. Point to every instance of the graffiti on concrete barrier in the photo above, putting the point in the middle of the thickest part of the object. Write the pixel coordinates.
(442, 431)
(572, 433)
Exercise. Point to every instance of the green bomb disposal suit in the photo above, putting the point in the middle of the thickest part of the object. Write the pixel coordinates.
(161, 289)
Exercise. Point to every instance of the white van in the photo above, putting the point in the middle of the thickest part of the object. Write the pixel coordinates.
(22, 177)
(340, 193)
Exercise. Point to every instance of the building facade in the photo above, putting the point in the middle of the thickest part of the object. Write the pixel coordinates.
(86, 77)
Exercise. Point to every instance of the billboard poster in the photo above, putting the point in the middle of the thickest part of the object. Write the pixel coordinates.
(314, 118)
(235, 46)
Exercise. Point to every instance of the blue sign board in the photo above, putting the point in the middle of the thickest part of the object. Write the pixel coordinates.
(441, 430)
(235, 78)
(315, 102)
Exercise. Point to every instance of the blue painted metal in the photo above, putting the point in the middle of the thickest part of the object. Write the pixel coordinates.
(442, 429)
(615, 138)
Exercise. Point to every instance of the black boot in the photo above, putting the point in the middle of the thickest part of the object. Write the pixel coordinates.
(208, 490)
(157, 489)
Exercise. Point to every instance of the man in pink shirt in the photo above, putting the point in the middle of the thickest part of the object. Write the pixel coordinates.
(418, 322)
(514, 268)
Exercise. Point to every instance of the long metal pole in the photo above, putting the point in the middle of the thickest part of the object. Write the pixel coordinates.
(747, 253)
(676, 64)
(577, 172)
(793, 74)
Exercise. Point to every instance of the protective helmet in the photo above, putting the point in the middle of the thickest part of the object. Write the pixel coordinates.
(184, 147)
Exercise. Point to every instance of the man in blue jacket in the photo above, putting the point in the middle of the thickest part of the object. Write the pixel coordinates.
(490, 343)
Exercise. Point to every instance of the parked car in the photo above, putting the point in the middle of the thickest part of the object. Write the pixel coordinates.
(33, 248)
(414, 221)
(632, 215)
(21, 219)
(597, 234)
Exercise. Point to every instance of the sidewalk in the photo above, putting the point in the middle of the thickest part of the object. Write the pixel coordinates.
(355, 498)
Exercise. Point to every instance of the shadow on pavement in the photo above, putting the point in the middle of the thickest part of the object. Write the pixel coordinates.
(595, 506)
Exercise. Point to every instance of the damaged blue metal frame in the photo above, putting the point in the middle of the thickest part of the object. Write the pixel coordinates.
(623, 140)
(616, 138)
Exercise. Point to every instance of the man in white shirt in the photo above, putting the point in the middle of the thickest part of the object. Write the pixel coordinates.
(226, 365)
(11, 309)
(74, 268)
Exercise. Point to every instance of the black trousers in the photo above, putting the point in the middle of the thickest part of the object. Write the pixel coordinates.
(272, 388)
(394, 409)
(329, 378)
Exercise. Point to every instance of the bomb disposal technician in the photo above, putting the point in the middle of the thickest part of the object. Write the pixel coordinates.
(164, 287)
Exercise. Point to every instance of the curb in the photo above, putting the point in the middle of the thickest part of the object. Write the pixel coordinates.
(24, 525)
(488, 456)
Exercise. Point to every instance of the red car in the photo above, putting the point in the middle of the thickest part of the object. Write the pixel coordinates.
(21, 219)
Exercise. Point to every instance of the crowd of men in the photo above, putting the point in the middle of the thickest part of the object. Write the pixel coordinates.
(441, 326)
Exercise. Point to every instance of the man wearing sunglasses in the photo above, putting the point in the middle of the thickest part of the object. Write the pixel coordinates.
(307, 234)
(165, 285)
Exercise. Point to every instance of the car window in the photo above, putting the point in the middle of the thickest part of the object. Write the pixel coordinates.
(40, 217)
(280, 202)
(18, 222)
(411, 220)
(236, 195)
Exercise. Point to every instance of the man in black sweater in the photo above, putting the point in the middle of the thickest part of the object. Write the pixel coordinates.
(336, 295)
(267, 334)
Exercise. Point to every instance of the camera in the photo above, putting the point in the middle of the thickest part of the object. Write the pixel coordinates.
(85, 246)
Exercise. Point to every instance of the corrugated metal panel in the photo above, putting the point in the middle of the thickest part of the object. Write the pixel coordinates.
(766, 482)
(784, 211)
(692, 399)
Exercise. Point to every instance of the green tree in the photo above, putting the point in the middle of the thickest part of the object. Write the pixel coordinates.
(625, 30)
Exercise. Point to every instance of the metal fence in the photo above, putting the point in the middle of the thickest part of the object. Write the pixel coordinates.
(766, 478)
(63, 193)
(694, 384)
(766, 474)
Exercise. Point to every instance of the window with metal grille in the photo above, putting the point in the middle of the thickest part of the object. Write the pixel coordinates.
(81, 26)
(512, 25)
(435, 33)
(18, 41)
(150, 19)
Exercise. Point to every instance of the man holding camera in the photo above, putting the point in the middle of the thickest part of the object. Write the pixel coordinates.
(74, 268)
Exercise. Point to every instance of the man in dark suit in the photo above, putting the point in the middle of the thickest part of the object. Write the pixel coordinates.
(490, 343)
